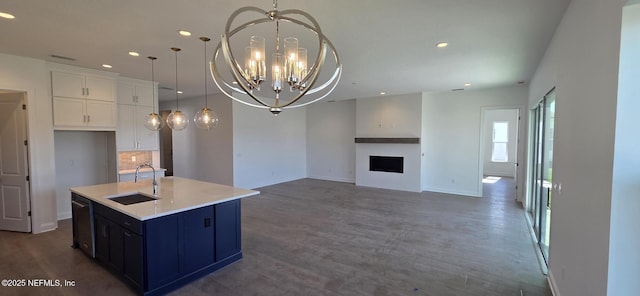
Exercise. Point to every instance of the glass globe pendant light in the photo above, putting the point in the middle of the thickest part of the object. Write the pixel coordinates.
(154, 121)
(177, 120)
(205, 118)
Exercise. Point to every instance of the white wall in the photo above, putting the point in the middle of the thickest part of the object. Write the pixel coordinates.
(502, 169)
(82, 159)
(582, 63)
(331, 129)
(32, 77)
(451, 137)
(205, 155)
(624, 243)
(389, 116)
(268, 149)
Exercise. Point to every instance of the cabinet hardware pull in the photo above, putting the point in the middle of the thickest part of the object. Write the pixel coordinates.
(88, 118)
(78, 204)
(87, 91)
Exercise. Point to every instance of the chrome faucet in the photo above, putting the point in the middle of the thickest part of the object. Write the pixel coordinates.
(155, 184)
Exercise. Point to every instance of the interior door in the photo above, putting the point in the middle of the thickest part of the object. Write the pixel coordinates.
(14, 187)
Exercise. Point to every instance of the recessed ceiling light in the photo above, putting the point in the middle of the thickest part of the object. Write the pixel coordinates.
(467, 84)
(7, 15)
(107, 66)
(184, 33)
(134, 54)
(382, 93)
(442, 45)
(179, 91)
(234, 82)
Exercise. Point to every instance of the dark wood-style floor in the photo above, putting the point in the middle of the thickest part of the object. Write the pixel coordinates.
(313, 237)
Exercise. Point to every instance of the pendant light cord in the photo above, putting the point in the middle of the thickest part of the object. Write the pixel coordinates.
(206, 96)
(177, 89)
(175, 50)
(153, 86)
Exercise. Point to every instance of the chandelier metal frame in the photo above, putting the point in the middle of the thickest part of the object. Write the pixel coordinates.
(246, 86)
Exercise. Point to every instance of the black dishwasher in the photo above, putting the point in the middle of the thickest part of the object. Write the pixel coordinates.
(83, 235)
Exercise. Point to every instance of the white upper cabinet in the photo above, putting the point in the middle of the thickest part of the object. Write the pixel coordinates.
(83, 101)
(135, 92)
(135, 101)
(81, 86)
(131, 133)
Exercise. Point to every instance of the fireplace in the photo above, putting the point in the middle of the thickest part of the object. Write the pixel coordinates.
(390, 164)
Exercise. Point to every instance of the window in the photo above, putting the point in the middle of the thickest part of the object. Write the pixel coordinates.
(499, 152)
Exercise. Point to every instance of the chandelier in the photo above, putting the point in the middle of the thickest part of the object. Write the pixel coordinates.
(288, 63)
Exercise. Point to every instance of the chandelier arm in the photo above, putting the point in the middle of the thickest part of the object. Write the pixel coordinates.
(339, 74)
(226, 51)
(215, 74)
(238, 12)
(322, 50)
(322, 40)
(214, 71)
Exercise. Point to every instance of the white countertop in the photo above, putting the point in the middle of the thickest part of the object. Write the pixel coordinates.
(174, 195)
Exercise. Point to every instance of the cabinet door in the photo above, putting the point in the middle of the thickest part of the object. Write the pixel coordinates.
(102, 238)
(101, 114)
(147, 139)
(132, 267)
(100, 88)
(125, 133)
(227, 229)
(163, 250)
(198, 239)
(144, 95)
(126, 93)
(69, 112)
(67, 85)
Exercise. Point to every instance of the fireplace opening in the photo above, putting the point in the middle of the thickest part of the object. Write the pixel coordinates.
(390, 164)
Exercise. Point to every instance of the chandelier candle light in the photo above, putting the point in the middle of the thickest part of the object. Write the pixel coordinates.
(154, 121)
(288, 64)
(205, 118)
(177, 120)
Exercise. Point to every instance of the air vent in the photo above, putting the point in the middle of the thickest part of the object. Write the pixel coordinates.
(62, 57)
(165, 88)
(457, 89)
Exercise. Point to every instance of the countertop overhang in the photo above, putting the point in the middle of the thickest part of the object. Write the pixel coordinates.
(174, 195)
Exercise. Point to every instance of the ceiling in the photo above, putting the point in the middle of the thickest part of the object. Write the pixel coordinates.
(384, 46)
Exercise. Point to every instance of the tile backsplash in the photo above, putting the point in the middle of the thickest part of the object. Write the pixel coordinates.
(131, 160)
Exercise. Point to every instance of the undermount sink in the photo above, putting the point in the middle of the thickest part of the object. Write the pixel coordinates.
(132, 199)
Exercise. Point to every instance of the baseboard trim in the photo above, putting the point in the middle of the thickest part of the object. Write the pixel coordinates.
(552, 284)
(464, 193)
(64, 215)
(336, 179)
(534, 242)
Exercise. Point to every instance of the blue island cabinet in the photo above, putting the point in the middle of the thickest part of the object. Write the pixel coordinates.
(158, 255)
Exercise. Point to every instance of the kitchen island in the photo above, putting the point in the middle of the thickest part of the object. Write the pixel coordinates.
(159, 243)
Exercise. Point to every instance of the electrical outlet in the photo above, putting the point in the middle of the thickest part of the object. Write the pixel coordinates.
(133, 158)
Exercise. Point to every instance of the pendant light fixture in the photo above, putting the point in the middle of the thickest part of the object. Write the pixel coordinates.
(154, 121)
(177, 120)
(205, 118)
(288, 63)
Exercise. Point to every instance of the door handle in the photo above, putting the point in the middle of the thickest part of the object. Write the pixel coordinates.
(78, 204)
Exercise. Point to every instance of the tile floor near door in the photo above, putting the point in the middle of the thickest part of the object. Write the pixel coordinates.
(312, 237)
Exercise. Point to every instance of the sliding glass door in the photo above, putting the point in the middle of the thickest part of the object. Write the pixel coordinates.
(541, 165)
